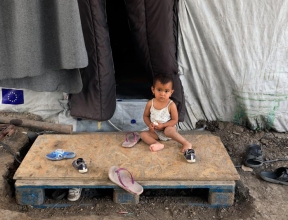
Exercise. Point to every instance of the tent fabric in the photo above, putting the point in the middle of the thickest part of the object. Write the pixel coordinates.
(41, 38)
(232, 58)
(45, 104)
(68, 81)
(97, 100)
(152, 24)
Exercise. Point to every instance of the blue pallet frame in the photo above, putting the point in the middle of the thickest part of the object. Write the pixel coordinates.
(219, 195)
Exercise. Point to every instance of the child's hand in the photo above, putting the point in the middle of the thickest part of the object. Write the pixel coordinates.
(159, 126)
(151, 127)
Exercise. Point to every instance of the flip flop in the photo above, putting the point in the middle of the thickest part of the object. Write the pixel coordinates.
(254, 156)
(280, 175)
(123, 178)
(60, 154)
(132, 138)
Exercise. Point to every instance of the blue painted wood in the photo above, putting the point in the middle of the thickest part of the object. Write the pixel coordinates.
(63, 205)
(69, 186)
(123, 197)
(219, 195)
(221, 198)
(209, 205)
(215, 188)
(30, 196)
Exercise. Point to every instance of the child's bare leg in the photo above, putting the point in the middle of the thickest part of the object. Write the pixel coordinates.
(172, 133)
(151, 139)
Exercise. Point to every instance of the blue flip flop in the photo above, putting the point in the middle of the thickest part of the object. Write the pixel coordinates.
(60, 154)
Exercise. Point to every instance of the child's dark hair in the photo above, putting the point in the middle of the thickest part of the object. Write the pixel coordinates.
(163, 79)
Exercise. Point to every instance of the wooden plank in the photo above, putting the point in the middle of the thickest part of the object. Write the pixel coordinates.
(123, 197)
(95, 183)
(30, 196)
(31, 192)
(103, 150)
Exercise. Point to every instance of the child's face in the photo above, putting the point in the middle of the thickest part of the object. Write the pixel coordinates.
(162, 92)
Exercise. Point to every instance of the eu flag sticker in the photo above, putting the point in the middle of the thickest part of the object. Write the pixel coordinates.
(12, 96)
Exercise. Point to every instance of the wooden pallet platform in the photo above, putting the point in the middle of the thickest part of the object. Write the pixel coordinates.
(168, 168)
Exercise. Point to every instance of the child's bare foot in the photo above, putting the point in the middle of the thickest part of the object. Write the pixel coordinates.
(156, 147)
(186, 147)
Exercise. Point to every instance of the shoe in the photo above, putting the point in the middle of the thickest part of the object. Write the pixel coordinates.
(80, 165)
(254, 156)
(74, 194)
(280, 175)
(190, 156)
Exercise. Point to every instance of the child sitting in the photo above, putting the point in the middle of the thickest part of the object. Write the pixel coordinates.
(161, 116)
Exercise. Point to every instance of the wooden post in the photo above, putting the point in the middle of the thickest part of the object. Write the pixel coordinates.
(61, 128)
(30, 196)
(123, 197)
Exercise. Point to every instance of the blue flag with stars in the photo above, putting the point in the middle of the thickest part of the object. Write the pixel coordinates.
(12, 96)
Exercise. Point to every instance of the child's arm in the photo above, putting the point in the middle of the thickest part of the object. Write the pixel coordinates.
(146, 116)
(174, 118)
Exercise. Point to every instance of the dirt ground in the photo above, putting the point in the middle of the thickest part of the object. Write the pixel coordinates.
(254, 197)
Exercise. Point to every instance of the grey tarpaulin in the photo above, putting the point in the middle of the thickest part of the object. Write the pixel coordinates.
(233, 61)
(41, 39)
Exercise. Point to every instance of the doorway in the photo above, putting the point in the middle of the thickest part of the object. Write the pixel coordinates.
(131, 80)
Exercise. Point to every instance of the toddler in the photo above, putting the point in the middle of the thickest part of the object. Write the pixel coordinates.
(161, 116)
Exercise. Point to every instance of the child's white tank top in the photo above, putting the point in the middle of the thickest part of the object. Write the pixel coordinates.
(161, 115)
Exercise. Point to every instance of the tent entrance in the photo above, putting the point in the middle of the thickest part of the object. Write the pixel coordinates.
(131, 80)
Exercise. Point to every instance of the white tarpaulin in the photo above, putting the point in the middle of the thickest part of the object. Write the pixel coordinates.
(44, 104)
(233, 61)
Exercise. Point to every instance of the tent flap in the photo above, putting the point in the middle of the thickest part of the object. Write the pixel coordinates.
(97, 100)
(153, 24)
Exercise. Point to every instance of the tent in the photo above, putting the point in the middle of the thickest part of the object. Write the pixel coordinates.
(230, 57)
(151, 26)
(233, 61)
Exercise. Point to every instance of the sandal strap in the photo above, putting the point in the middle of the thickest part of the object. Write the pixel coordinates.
(59, 153)
(134, 134)
(119, 177)
(282, 174)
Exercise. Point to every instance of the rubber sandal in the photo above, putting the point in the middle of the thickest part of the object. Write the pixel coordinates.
(123, 178)
(280, 175)
(132, 138)
(254, 156)
(60, 154)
